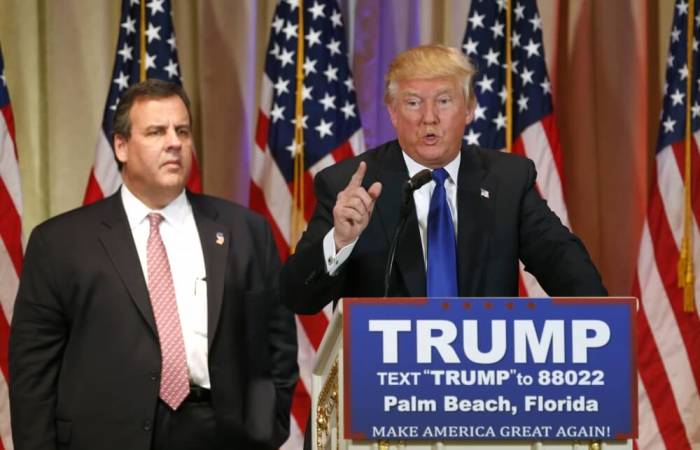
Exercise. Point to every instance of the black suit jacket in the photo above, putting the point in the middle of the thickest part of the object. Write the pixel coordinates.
(506, 222)
(84, 353)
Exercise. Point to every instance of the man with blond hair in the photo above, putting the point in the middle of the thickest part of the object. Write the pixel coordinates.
(466, 228)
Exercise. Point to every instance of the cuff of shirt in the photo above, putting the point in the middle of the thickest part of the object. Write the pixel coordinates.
(332, 259)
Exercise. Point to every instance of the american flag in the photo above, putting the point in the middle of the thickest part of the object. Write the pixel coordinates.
(10, 244)
(668, 329)
(534, 128)
(148, 23)
(331, 132)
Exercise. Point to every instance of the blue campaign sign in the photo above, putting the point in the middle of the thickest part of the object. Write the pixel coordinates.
(490, 369)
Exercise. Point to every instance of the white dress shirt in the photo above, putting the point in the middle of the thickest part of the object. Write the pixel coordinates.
(180, 236)
(421, 199)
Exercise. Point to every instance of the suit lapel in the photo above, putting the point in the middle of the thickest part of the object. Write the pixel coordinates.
(216, 242)
(475, 219)
(119, 244)
(392, 173)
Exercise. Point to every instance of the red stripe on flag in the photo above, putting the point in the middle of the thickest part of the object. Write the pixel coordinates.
(667, 256)
(343, 151)
(257, 203)
(679, 153)
(261, 131)
(10, 227)
(301, 405)
(194, 183)
(657, 385)
(549, 125)
(93, 192)
(314, 327)
(10, 122)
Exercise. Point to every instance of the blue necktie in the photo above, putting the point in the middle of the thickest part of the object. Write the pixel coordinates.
(442, 246)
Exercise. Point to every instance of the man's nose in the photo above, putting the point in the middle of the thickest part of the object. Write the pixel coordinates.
(173, 138)
(430, 114)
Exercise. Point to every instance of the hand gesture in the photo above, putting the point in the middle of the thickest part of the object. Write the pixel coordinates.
(353, 208)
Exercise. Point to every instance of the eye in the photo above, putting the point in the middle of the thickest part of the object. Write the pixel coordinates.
(412, 103)
(184, 132)
(444, 101)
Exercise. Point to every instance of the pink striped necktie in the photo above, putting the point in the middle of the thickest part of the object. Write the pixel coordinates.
(174, 378)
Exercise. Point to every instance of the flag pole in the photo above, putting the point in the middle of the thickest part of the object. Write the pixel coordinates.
(298, 189)
(686, 275)
(142, 43)
(509, 81)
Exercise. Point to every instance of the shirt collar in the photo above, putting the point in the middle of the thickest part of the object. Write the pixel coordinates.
(452, 167)
(174, 212)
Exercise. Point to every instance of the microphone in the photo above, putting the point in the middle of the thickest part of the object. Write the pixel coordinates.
(412, 184)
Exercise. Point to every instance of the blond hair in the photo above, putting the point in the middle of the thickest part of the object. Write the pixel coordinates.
(429, 61)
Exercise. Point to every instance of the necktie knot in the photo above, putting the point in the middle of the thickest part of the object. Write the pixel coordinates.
(439, 176)
(154, 219)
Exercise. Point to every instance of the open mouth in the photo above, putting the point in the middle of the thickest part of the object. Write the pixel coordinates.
(430, 138)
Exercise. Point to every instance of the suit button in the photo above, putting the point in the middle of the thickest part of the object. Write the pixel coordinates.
(154, 376)
(147, 425)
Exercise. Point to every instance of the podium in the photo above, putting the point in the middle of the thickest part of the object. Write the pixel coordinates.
(329, 421)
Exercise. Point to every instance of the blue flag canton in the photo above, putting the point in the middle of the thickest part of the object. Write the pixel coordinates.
(161, 53)
(4, 94)
(672, 126)
(484, 42)
(330, 115)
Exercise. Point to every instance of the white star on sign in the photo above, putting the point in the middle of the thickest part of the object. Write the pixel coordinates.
(668, 125)
(470, 47)
(683, 72)
(500, 121)
(331, 73)
(485, 84)
(349, 84)
(277, 113)
(306, 92)
(515, 40)
(324, 129)
(281, 86)
(125, 52)
(129, 25)
(150, 61)
(477, 20)
(317, 10)
(314, 37)
(171, 42)
(479, 113)
(522, 103)
(335, 18)
(472, 137)
(290, 30)
(309, 66)
(677, 97)
(536, 23)
(546, 86)
(519, 12)
(497, 30)
(527, 76)
(348, 110)
(153, 32)
(682, 8)
(155, 6)
(286, 57)
(171, 68)
(277, 24)
(491, 57)
(675, 34)
(334, 47)
(532, 48)
(122, 80)
(328, 102)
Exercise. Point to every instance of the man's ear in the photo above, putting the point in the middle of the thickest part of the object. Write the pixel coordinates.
(120, 150)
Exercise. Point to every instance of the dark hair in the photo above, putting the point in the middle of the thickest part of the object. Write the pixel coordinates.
(151, 89)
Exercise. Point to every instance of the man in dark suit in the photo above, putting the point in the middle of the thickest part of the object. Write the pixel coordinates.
(491, 210)
(151, 319)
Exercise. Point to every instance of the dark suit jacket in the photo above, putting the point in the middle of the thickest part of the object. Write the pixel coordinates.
(84, 354)
(494, 231)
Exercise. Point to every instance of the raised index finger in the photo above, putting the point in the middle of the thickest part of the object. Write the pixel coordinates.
(358, 176)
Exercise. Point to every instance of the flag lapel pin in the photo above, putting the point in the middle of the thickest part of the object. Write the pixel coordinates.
(220, 238)
(484, 193)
